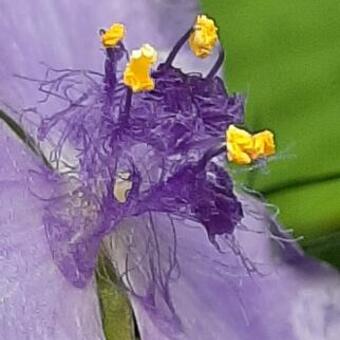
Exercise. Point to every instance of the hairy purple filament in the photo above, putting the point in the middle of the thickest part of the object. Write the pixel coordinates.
(167, 140)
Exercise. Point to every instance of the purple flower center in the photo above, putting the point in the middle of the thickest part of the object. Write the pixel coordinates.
(164, 142)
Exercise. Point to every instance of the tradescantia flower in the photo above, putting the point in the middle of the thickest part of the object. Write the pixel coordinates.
(136, 163)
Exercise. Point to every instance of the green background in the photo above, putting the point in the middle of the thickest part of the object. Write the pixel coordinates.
(285, 56)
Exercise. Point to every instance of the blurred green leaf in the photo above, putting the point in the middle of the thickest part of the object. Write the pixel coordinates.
(286, 57)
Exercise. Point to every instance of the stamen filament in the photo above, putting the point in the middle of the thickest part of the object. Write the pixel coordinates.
(177, 47)
(128, 100)
(110, 69)
(113, 56)
(212, 153)
(217, 65)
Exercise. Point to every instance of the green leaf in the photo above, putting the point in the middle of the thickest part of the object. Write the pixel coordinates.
(117, 317)
(286, 57)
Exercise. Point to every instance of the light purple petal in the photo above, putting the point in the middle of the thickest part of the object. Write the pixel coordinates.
(260, 288)
(64, 34)
(36, 302)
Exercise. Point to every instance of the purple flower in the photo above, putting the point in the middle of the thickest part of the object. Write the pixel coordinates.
(198, 259)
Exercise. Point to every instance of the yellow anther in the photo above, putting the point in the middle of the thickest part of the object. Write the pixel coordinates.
(264, 144)
(204, 37)
(237, 155)
(113, 35)
(239, 145)
(137, 71)
(243, 148)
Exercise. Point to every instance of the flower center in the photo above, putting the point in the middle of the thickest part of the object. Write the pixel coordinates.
(146, 141)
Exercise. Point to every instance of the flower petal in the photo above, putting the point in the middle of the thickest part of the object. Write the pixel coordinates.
(256, 287)
(36, 301)
(64, 34)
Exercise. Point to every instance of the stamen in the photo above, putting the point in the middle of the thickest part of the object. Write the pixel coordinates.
(210, 154)
(137, 71)
(113, 35)
(115, 51)
(264, 144)
(113, 56)
(239, 145)
(177, 47)
(110, 69)
(204, 37)
(126, 112)
(217, 65)
(243, 148)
